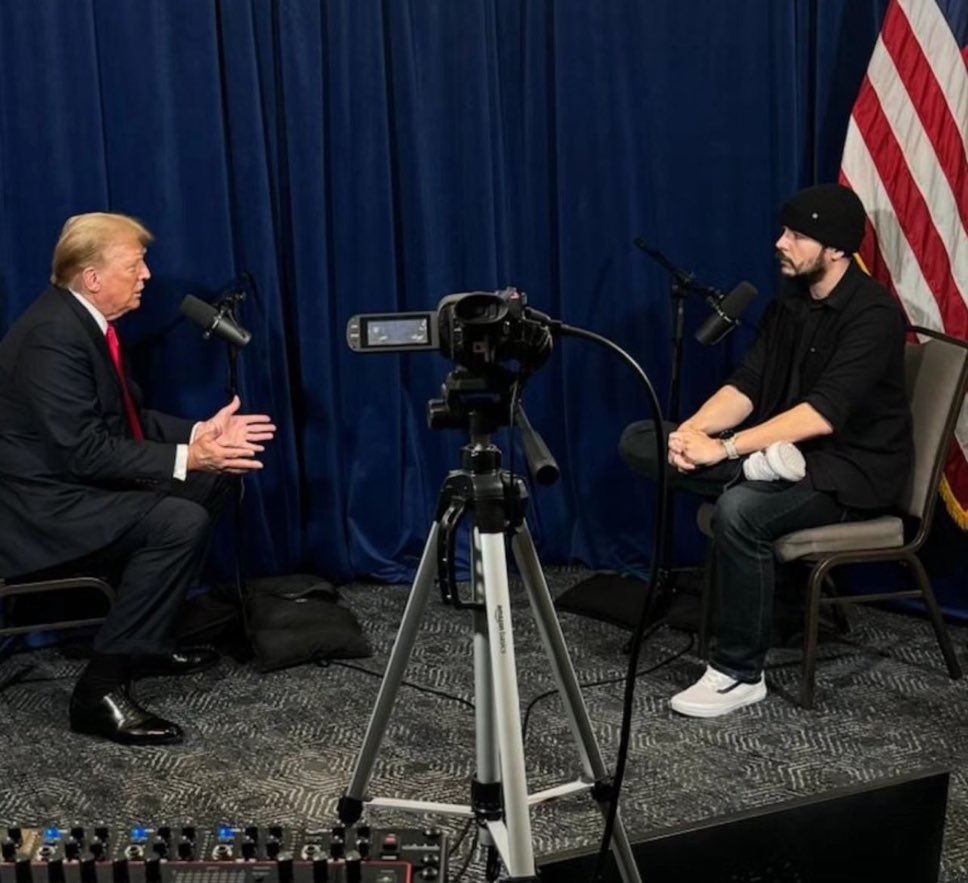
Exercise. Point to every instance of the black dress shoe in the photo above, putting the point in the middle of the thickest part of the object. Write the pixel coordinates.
(181, 662)
(118, 717)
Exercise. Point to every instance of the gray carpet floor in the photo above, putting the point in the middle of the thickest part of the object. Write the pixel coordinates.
(280, 747)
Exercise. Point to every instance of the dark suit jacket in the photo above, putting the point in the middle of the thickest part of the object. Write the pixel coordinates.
(72, 476)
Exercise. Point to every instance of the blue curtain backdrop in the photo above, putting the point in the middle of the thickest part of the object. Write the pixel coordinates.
(359, 155)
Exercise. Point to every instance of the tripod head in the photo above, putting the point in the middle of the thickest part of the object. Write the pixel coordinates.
(475, 401)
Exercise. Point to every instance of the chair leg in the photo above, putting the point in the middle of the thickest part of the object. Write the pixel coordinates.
(934, 612)
(839, 610)
(707, 602)
(811, 625)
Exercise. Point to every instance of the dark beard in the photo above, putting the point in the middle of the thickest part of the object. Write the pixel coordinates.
(811, 277)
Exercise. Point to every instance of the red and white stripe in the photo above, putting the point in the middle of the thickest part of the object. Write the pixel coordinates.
(906, 157)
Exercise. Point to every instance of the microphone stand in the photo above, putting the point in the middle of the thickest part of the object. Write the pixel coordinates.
(228, 306)
(618, 598)
(681, 284)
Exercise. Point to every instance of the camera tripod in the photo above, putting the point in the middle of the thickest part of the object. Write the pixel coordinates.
(496, 501)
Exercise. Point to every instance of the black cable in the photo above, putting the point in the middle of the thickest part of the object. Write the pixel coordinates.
(325, 663)
(607, 681)
(469, 858)
(658, 546)
(515, 396)
(460, 837)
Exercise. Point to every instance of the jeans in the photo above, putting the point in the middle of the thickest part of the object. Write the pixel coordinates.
(747, 519)
(749, 516)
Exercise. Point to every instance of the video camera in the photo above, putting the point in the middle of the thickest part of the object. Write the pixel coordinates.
(483, 331)
(493, 337)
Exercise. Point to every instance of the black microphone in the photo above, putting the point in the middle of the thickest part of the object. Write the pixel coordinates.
(214, 321)
(726, 314)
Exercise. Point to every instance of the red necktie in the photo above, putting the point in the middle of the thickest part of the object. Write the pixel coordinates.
(114, 347)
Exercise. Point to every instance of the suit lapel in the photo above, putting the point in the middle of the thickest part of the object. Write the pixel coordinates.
(93, 331)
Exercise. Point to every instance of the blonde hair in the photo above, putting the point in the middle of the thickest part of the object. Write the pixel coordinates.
(84, 239)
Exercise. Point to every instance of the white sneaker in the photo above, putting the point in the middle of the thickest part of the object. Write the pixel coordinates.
(781, 460)
(716, 693)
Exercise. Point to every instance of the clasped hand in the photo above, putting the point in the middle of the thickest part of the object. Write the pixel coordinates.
(229, 441)
(690, 447)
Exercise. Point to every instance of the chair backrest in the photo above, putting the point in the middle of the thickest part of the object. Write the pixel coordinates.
(937, 375)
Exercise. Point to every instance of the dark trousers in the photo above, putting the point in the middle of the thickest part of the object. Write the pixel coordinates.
(159, 557)
(152, 564)
(748, 517)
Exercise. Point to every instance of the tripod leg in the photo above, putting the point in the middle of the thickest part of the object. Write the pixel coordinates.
(487, 796)
(399, 656)
(486, 788)
(520, 854)
(564, 674)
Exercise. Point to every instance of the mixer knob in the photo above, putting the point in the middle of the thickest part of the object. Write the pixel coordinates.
(320, 869)
(188, 832)
(153, 869)
(55, 870)
(15, 835)
(160, 846)
(336, 847)
(72, 849)
(253, 832)
(391, 846)
(186, 849)
(354, 868)
(248, 849)
(275, 831)
(9, 850)
(96, 848)
(284, 867)
(363, 831)
(119, 870)
(339, 830)
(273, 846)
(23, 873)
(101, 832)
(77, 832)
(164, 832)
(429, 874)
(88, 871)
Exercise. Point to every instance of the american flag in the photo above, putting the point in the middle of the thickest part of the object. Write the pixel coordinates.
(906, 157)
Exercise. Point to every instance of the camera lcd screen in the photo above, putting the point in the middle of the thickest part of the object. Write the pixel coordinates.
(392, 332)
(397, 332)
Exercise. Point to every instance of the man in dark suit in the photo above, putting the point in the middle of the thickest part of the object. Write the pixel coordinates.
(89, 478)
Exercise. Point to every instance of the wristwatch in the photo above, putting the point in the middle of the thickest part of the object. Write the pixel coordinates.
(728, 439)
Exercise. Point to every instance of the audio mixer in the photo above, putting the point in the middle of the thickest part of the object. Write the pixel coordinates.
(222, 854)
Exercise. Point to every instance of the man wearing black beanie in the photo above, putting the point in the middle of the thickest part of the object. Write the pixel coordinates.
(822, 385)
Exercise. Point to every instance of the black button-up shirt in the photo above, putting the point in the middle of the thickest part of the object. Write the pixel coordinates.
(844, 356)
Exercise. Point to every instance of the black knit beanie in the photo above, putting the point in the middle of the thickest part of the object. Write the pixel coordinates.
(830, 213)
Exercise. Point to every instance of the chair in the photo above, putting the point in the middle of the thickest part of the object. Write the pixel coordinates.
(26, 588)
(937, 376)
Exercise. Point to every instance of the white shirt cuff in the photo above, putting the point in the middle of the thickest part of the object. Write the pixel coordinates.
(181, 462)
